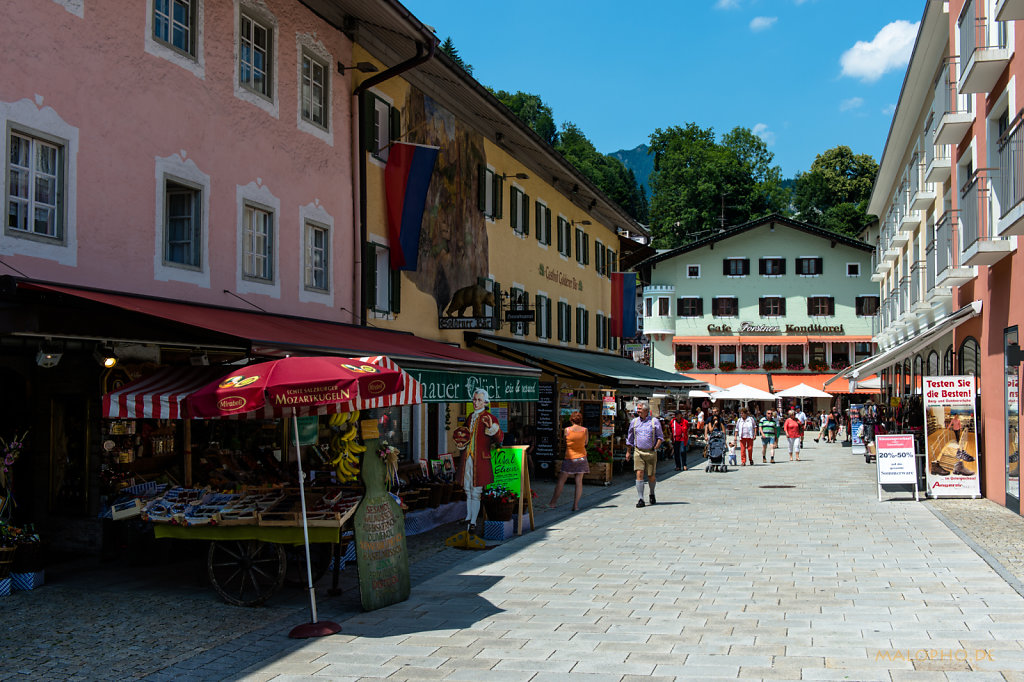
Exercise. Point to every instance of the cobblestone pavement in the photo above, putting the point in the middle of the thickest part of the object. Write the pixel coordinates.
(722, 579)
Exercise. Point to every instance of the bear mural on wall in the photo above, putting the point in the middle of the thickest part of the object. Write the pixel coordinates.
(453, 254)
(473, 296)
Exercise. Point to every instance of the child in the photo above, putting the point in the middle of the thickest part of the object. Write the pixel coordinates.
(732, 453)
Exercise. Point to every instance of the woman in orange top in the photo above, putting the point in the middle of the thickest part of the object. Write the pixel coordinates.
(575, 462)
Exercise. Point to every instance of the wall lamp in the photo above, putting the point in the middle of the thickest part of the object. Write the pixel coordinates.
(361, 67)
(581, 222)
(105, 355)
(517, 176)
(49, 354)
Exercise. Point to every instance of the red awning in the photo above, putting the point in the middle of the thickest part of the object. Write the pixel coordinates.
(730, 379)
(276, 335)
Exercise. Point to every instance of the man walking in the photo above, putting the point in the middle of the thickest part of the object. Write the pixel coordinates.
(642, 441)
(680, 439)
(768, 429)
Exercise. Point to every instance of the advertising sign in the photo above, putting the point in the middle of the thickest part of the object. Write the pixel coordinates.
(897, 463)
(507, 464)
(855, 437)
(951, 442)
(608, 416)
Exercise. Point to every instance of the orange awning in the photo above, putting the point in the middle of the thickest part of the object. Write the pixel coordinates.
(840, 339)
(775, 340)
(750, 340)
(705, 340)
(730, 379)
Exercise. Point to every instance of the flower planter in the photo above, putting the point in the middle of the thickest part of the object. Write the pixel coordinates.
(500, 511)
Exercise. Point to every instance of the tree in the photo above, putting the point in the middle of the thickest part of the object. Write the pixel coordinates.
(610, 175)
(834, 193)
(532, 111)
(700, 185)
(448, 47)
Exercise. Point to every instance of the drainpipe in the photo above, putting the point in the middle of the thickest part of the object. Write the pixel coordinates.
(423, 54)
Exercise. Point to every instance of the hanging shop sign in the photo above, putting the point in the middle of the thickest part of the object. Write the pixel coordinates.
(458, 387)
(951, 441)
(520, 315)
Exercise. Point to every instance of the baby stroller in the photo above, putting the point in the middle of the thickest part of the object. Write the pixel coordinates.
(717, 448)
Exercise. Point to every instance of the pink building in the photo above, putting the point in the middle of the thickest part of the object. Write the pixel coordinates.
(950, 201)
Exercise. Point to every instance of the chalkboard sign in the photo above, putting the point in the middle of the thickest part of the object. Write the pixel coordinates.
(591, 416)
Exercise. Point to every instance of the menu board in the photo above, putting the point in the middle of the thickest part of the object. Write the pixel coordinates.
(591, 415)
(547, 441)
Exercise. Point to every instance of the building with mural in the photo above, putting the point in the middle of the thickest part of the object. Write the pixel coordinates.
(949, 201)
(770, 303)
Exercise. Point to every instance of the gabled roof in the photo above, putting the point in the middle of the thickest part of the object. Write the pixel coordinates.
(776, 219)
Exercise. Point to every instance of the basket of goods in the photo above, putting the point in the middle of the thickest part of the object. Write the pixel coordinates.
(499, 502)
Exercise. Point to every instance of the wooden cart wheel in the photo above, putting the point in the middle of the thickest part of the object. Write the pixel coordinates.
(295, 574)
(246, 572)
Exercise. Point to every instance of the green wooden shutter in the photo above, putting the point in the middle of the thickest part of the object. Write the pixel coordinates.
(547, 225)
(499, 188)
(586, 249)
(525, 213)
(369, 276)
(396, 291)
(547, 317)
(513, 208)
(538, 219)
(831, 305)
(481, 191)
(561, 237)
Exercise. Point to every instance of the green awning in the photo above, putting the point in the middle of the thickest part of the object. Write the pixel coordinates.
(613, 369)
(456, 387)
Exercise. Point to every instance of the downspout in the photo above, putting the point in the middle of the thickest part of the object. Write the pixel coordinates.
(422, 55)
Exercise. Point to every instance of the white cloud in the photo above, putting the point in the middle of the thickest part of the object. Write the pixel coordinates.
(889, 110)
(852, 103)
(727, 4)
(767, 136)
(762, 23)
(889, 50)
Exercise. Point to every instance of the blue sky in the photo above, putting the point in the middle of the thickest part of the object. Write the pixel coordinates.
(805, 75)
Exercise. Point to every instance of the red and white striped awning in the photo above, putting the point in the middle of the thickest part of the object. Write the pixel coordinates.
(162, 395)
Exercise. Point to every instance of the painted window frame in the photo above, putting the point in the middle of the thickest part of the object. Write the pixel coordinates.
(817, 303)
(519, 210)
(166, 18)
(314, 253)
(307, 88)
(690, 306)
(689, 272)
(59, 179)
(252, 254)
(853, 266)
(802, 263)
(179, 186)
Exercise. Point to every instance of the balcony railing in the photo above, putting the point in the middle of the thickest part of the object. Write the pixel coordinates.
(947, 248)
(976, 209)
(976, 32)
(904, 291)
(929, 265)
(915, 283)
(1011, 166)
(915, 171)
(947, 99)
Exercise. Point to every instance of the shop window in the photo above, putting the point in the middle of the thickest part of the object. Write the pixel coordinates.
(794, 357)
(748, 357)
(771, 306)
(861, 351)
(866, 306)
(821, 306)
(727, 356)
(772, 267)
(807, 267)
(970, 357)
(689, 306)
(735, 267)
(705, 357)
(816, 352)
(772, 356)
(918, 371)
(725, 306)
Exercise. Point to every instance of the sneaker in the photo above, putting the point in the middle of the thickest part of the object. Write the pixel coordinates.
(640, 503)
(653, 501)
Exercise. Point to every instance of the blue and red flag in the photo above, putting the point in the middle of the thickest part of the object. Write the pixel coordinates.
(406, 180)
(623, 305)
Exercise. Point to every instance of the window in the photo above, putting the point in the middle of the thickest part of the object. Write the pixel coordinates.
(853, 269)
(705, 357)
(772, 356)
(612, 262)
(649, 307)
(255, 56)
(601, 328)
(727, 355)
(840, 355)
(35, 194)
(861, 351)
(258, 243)
(489, 189)
(970, 360)
(382, 286)
(821, 306)
(663, 306)
(748, 356)
(582, 246)
(519, 211)
(772, 306)
(582, 325)
(314, 95)
(735, 267)
(817, 353)
(564, 237)
(564, 328)
(809, 266)
(693, 271)
(383, 126)
(543, 307)
(174, 24)
(183, 228)
(599, 258)
(866, 306)
(317, 257)
(794, 356)
(947, 361)
(684, 355)
(543, 222)
(690, 306)
(771, 266)
(933, 364)
(519, 300)
(725, 306)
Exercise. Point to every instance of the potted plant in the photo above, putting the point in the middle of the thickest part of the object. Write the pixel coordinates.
(727, 366)
(794, 366)
(838, 365)
(684, 365)
(499, 502)
(750, 364)
(772, 365)
(704, 364)
(817, 365)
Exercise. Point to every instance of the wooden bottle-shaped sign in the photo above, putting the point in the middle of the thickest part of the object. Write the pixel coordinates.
(381, 554)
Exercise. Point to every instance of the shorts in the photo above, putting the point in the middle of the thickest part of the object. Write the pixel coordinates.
(768, 440)
(645, 461)
(794, 445)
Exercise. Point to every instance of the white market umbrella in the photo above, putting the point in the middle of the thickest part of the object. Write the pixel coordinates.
(699, 394)
(742, 392)
(803, 391)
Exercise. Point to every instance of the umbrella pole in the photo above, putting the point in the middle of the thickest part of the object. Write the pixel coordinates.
(314, 628)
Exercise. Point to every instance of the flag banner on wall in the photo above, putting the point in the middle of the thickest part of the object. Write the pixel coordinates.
(406, 180)
(951, 441)
(623, 305)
